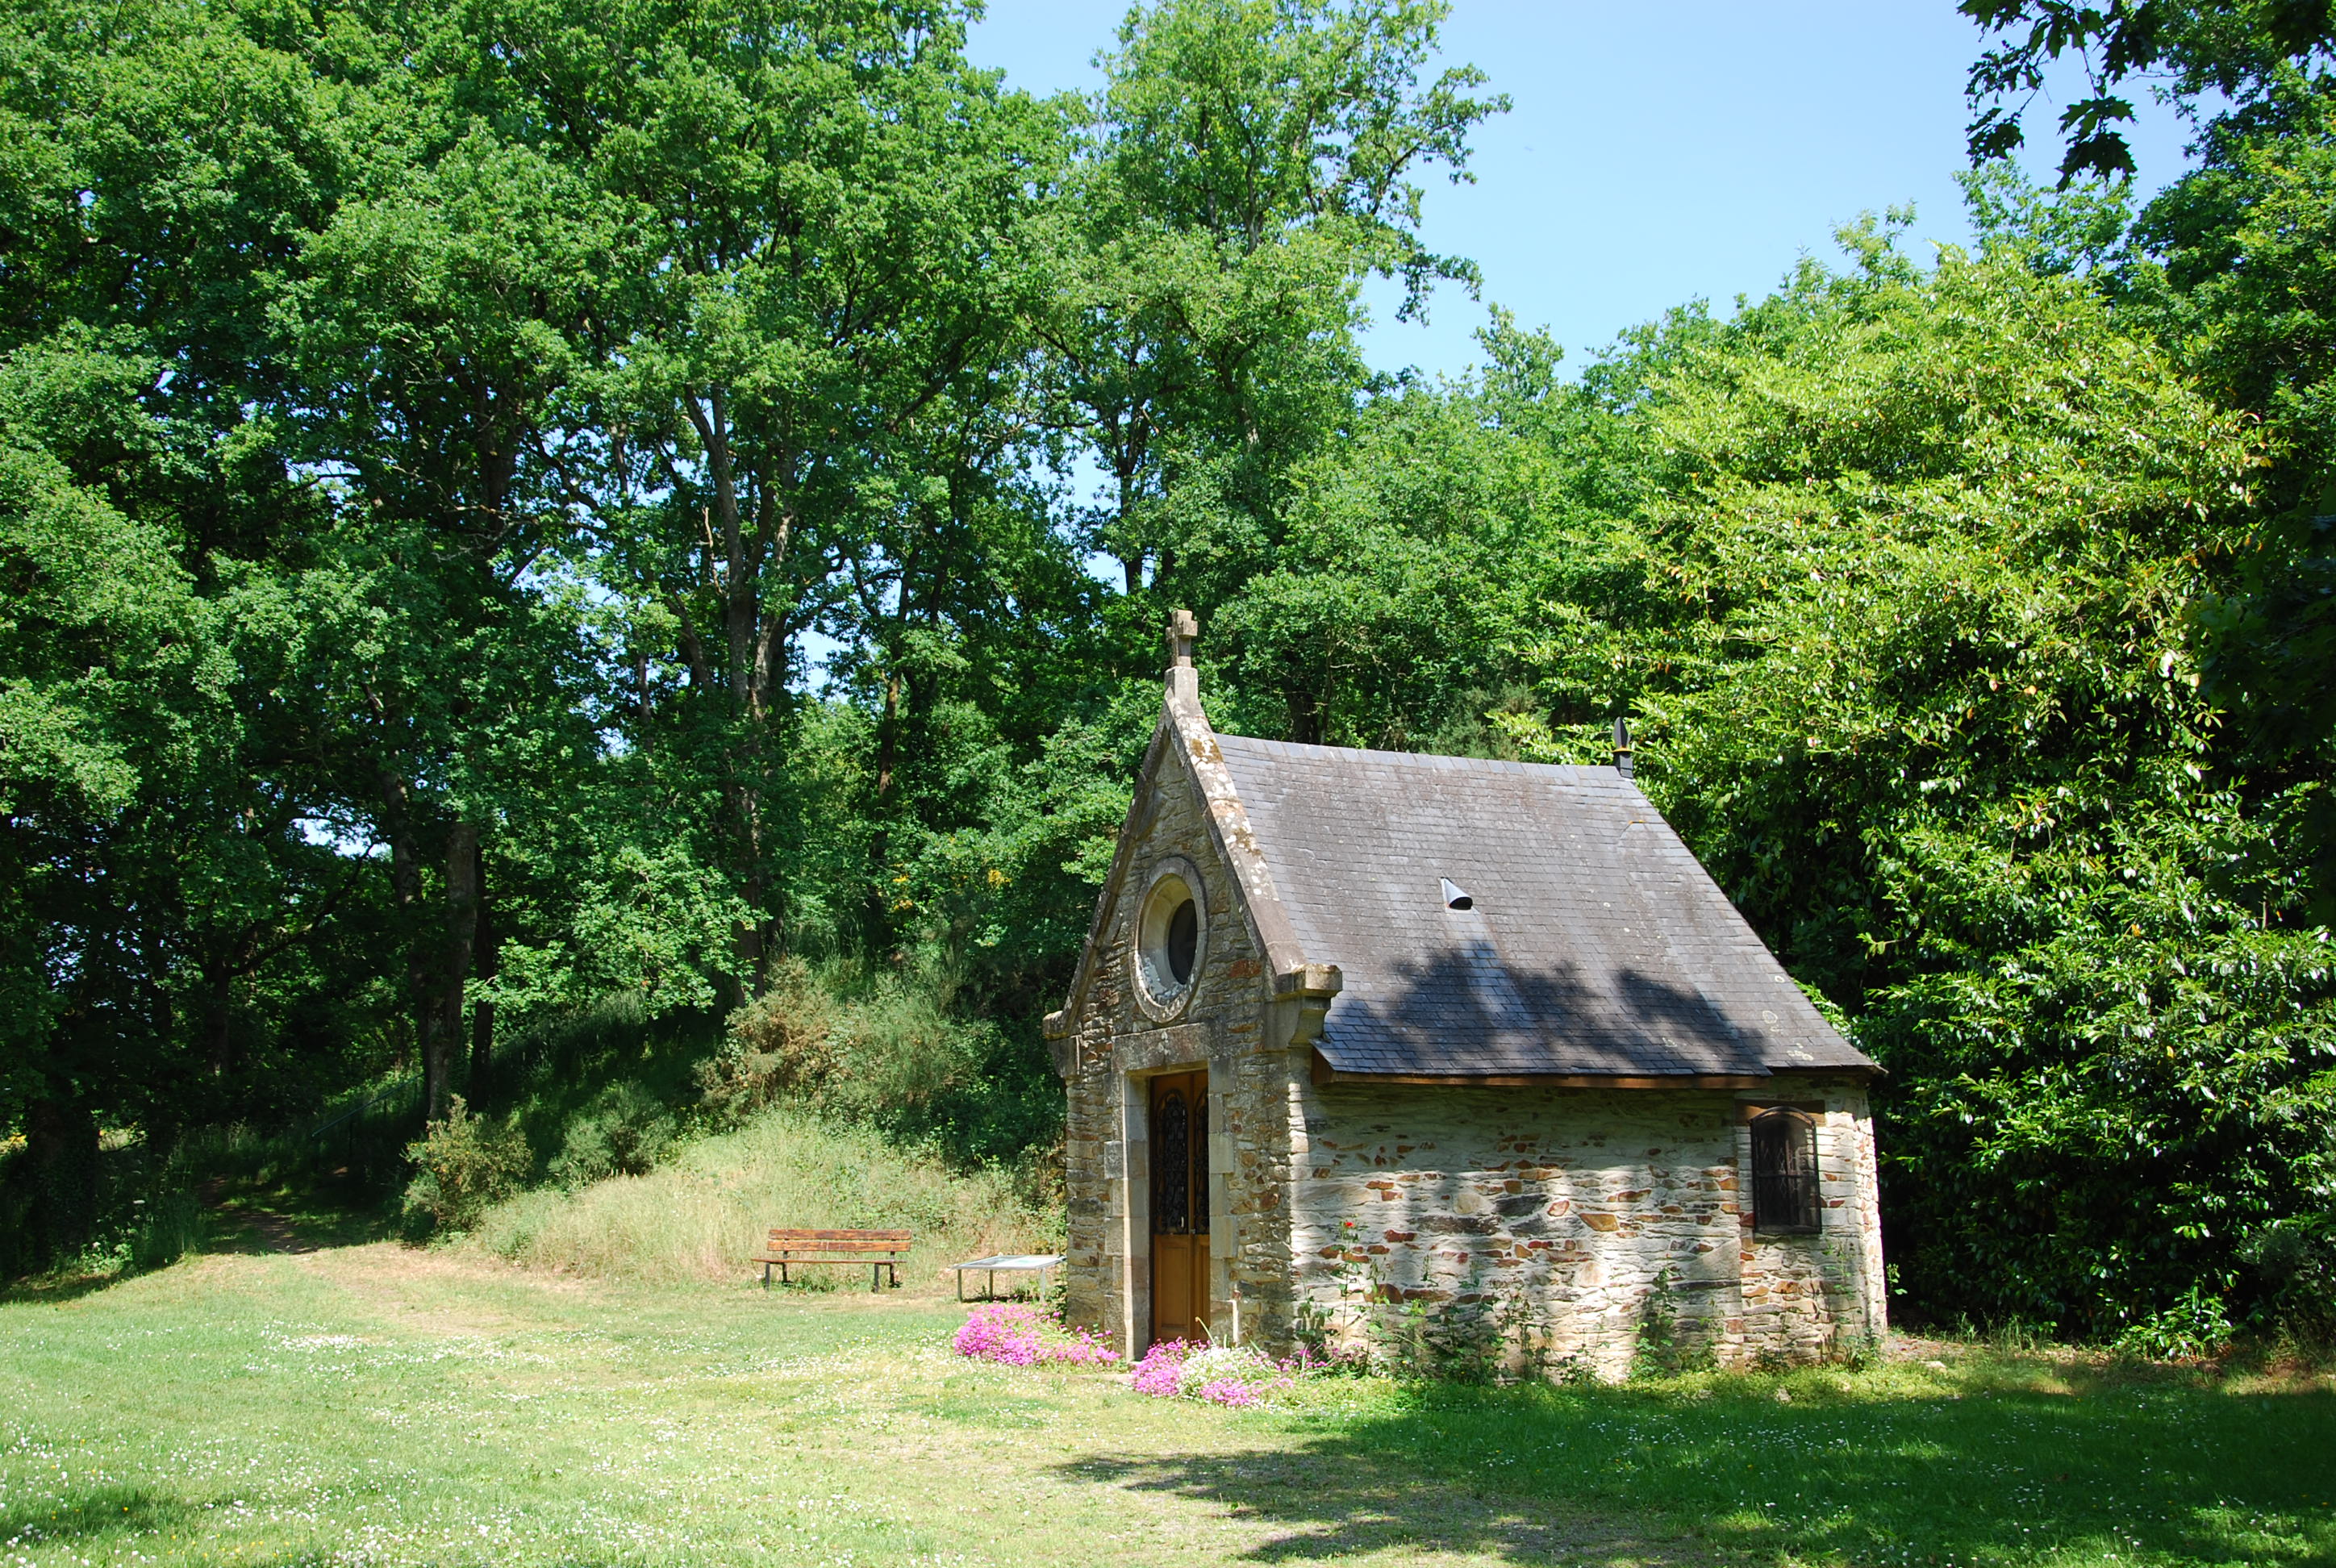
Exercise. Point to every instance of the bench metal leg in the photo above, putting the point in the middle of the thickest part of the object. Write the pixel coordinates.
(766, 1276)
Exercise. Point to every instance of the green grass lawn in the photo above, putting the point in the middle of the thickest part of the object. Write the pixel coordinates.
(372, 1404)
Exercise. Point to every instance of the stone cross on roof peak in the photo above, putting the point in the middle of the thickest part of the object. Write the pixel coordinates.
(1183, 680)
(1183, 628)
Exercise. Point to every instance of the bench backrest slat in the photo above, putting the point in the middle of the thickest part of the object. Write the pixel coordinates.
(779, 1236)
(808, 1248)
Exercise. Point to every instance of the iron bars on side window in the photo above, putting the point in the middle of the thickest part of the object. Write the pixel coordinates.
(1785, 1173)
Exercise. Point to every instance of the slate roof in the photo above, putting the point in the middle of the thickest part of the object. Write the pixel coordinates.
(1597, 945)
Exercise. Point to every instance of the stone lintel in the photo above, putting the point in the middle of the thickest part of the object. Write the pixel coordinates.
(1157, 1050)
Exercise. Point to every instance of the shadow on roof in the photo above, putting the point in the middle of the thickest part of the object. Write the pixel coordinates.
(1466, 1011)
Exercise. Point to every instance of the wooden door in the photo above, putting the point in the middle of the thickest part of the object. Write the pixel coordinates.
(1180, 1206)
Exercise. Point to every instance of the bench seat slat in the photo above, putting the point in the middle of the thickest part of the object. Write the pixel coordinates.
(838, 1247)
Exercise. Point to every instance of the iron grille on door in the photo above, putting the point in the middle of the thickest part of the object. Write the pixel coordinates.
(1172, 1145)
(1180, 1165)
(1784, 1173)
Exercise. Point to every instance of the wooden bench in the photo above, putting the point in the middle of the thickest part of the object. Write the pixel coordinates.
(882, 1251)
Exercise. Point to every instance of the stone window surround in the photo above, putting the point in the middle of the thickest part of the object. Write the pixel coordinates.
(1821, 1117)
(1159, 1009)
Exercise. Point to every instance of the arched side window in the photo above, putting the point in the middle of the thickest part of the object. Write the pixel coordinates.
(1785, 1173)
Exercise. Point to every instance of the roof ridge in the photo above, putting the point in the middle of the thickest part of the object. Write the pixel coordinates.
(1416, 758)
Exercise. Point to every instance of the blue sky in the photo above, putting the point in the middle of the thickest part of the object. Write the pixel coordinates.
(1655, 153)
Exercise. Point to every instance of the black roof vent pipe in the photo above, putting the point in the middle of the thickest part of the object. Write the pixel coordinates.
(1622, 746)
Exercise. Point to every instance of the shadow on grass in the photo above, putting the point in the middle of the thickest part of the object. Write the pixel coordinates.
(289, 1222)
(104, 1511)
(279, 1221)
(1984, 1466)
(1331, 1498)
(37, 1289)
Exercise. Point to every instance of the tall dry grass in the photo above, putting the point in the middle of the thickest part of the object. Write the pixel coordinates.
(701, 1215)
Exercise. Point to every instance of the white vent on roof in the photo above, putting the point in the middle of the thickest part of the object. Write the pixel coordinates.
(1454, 897)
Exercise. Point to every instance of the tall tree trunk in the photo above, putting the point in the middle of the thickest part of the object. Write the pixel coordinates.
(61, 1160)
(482, 1010)
(404, 894)
(218, 1015)
(749, 675)
(461, 929)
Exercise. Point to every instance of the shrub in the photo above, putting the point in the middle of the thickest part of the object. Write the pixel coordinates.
(1476, 1334)
(622, 1131)
(165, 1227)
(887, 1047)
(466, 1163)
(780, 1043)
(2192, 1329)
(2296, 1261)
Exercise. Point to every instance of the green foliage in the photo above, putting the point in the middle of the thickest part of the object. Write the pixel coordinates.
(146, 1210)
(2233, 47)
(2192, 1328)
(2296, 1260)
(1927, 702)
(886, 1050)
(464, 1163)
(1661, 1346)
(623, 1130)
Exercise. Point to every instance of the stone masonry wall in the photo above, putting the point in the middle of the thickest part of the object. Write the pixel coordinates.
(1575, 1200)
(1116, 1047)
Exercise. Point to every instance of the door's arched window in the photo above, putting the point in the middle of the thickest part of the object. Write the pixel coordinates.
(1785, 1172)
(1172, 1164)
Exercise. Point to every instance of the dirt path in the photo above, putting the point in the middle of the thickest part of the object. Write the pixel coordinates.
(247, 1224)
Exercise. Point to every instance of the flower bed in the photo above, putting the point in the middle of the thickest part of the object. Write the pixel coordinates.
(1022, 1336)
(1232, 1375)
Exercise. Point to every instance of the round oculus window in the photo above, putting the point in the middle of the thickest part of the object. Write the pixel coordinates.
(1183, 942)
(1168, 940)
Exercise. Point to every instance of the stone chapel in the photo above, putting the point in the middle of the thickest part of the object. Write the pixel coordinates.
(1463, 1030)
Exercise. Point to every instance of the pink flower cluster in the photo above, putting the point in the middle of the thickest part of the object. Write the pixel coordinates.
(1022, 1336)
(1237, 1376)
(1226, 1391)
(1161, 1372)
